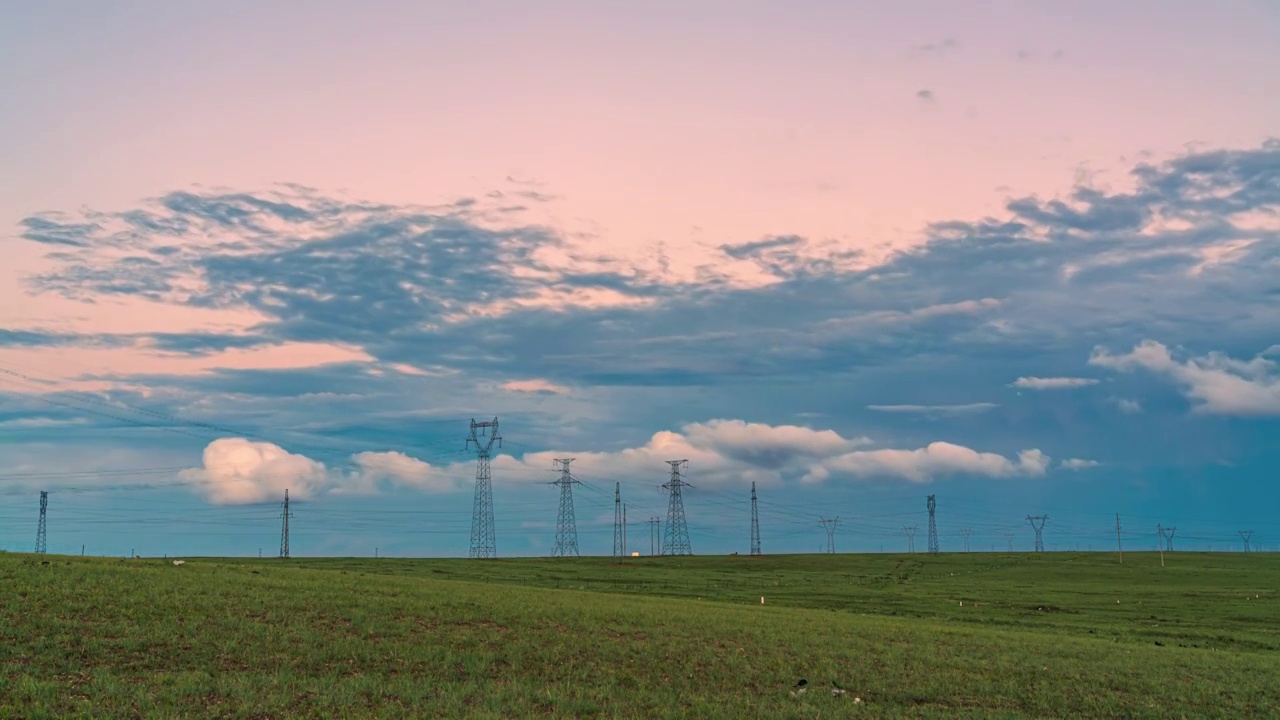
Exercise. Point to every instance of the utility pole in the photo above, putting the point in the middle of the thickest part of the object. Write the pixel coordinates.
(40, 529)
(566, 524)
(1119, 547)
(484, 543)
(617, 521)
(933, 528)
(911, 538)
(284, 527)
(624, 529)
(1009, 538)
(1160, 540)
(830, 527)
(966, 533)
(1246, 534)
(676, 541)
(1037, 524)
(654, 526)
(755, 523)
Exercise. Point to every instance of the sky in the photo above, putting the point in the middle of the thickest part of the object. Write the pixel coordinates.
(1024, 258)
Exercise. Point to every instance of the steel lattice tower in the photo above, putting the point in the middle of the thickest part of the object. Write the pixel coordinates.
(676, 541)
(830, 527)
(1037, 524)
(966, 533)
(483, 541)
(1245, 535)
(933, 527)
(566, 524)
(40, 529)
(617, 520)
(755, 523)
(1167, 533)
(284, 527)
(911, 538)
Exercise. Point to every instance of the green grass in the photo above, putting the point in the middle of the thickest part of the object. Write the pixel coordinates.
(1037, 636)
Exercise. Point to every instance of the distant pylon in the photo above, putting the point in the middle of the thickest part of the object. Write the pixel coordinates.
(1009, 538)
(40, 529)
(676, 541)
(1167, 534)
(1246, 534)
(966, 533)
(933, 527)
(617, 520)
(755, 523)
(483, 540)
(911, 538)
(284, 527)
(830, 527)
(566, 524)
(1037, 524)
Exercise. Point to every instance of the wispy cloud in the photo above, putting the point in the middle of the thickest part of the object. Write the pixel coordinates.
(1052, 383)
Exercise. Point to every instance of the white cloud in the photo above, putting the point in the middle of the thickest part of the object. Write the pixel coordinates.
(236, 471)
(1052, 383)
(936, 409)
(934, 460)
(1216, 383)
(1079, 464)
(1126, 405)
(538, 386)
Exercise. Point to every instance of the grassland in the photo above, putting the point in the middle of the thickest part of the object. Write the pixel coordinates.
(962, 635)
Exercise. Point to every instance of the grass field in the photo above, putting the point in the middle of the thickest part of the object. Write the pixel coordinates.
(955, 635)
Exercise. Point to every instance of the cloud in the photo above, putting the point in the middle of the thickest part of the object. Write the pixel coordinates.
(925, 95)
(1052, 383)
(1079, 464)
(941, 48)
(1216, 383)
(535, 386)
(936, 410)
(929, 462)
(1129, 406)
(237, 471)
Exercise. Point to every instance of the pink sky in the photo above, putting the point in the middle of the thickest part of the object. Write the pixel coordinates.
(656, 127)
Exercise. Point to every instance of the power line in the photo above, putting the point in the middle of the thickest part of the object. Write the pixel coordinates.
(483, 542)
(676, 541)
(566, 523)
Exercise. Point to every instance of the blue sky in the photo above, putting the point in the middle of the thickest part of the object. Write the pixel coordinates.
(1058, 302)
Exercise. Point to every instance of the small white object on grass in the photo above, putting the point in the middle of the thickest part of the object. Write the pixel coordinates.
(179, 562)
(761, 599)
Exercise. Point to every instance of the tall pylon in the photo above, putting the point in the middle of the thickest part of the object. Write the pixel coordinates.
(617, 520)
(566, 524)
(40, 529)
(1037, 524)
(755, 522)
(933, 527)
(483, 540)
(284, 526)
(1167, 533)
(911, 537)
(676, 541)
(966, 533)
(1245, 535)
(1009, 538)
(830, 527)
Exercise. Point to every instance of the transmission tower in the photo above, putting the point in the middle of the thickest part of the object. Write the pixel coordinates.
(284, 527)
(1167, 534)
(830, 527)
(655, 527)
(1037, 524)
(566, 525)
(617, 520)
(966, 533)
(911, 538)
(1009, 538)
(1119, 546)
(40, 534)
(933, 528)
(1246, 534)
(676, 541)
(755, 523)
(483, 541)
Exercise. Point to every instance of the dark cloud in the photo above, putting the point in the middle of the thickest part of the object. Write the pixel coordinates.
(940, 48)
